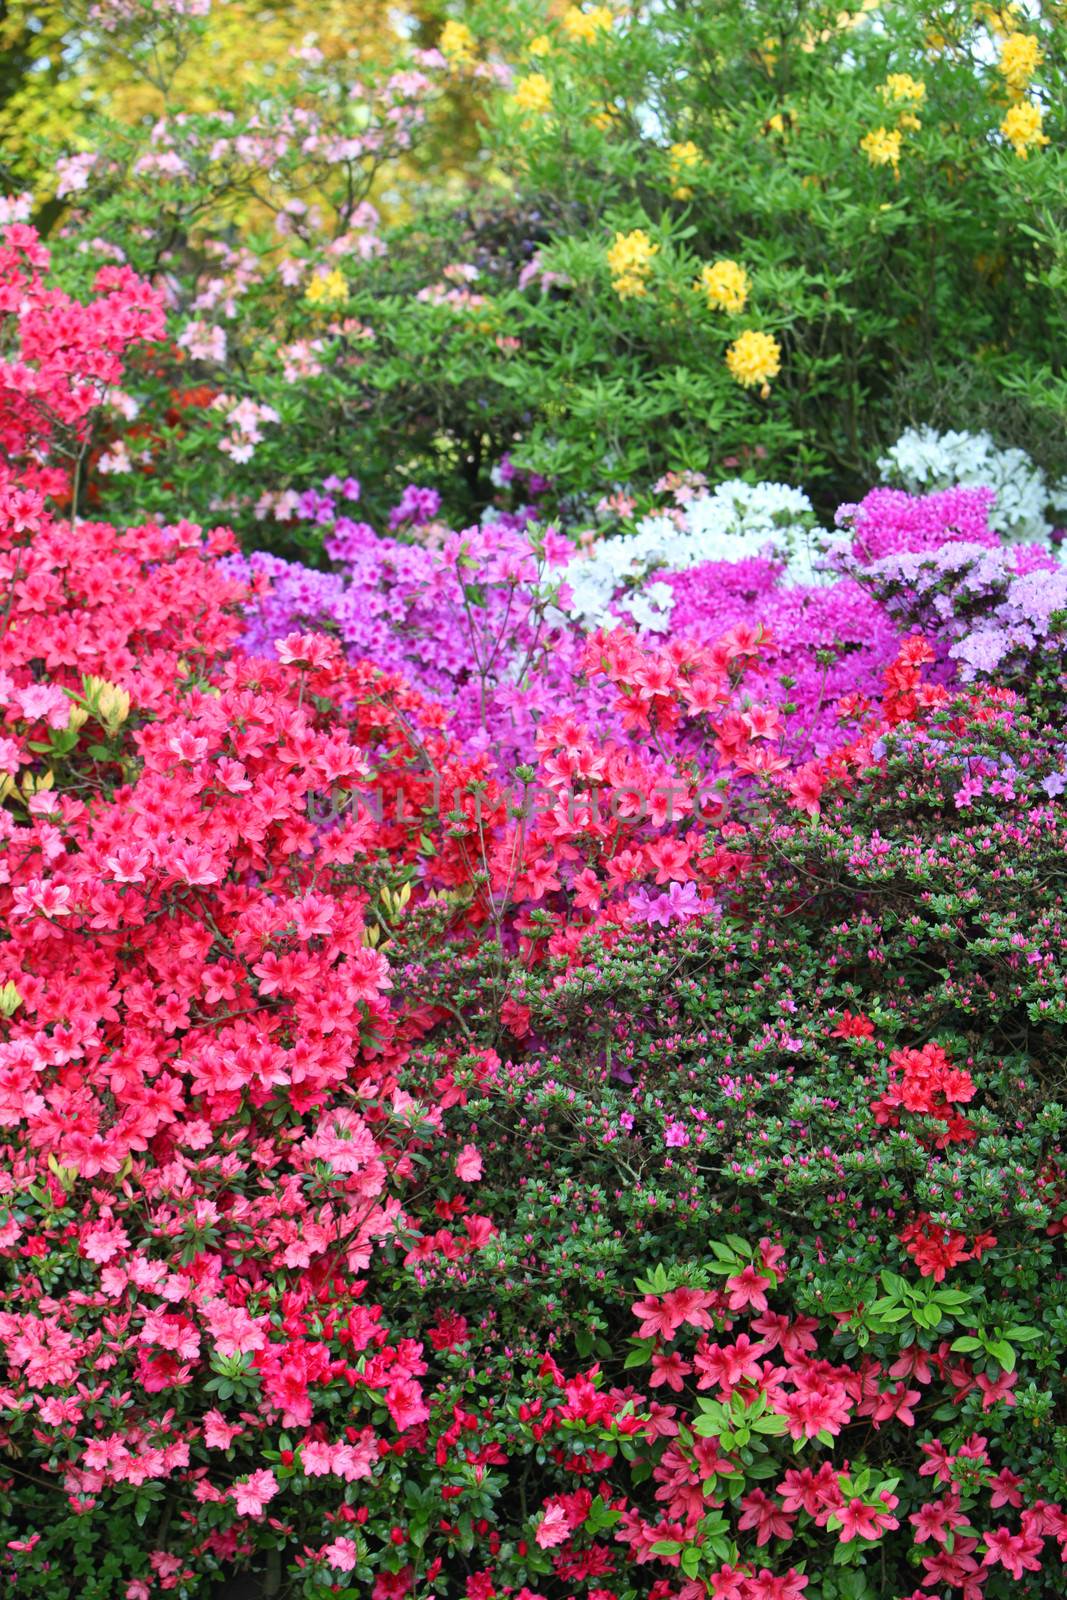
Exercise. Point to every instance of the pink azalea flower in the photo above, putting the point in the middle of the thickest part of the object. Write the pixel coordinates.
(254, 1493)
(469, 1164)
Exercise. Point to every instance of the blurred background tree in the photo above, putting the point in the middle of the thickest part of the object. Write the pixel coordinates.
(64, 65)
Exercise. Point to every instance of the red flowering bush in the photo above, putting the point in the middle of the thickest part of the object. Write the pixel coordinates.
(201, 1110)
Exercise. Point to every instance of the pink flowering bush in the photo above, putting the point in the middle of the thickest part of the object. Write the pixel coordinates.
(490, 1109)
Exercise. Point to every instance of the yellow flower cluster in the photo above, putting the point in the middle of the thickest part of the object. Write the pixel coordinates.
(882, 147)
(533, 93)
(583, 26)
(605, 116)
(457, 44)
(1020, 58)
(1000, 20)
(540, 46)
(630, 263)
(332, 290)
(1022, 128)
(754, 358)
(726, 285)
(901, 89)
(684, 157)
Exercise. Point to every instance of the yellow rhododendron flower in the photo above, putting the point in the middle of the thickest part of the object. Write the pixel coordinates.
(767, 51)
(1000, 20)
(753, 358)
(533, 93)
(1020, 58)
(583, 26)
(882, 147)
(457, 43)
(1022, 129)
(726, 284)
(683, 158)
(630, 286)
(630, 262)
(605, 116)
(331, 290)
(539, 46)
(903, 88)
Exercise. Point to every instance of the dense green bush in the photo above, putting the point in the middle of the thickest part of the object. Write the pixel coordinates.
(871, 201)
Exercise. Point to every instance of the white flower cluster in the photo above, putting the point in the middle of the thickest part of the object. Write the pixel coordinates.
(732, 522)
(923, 460)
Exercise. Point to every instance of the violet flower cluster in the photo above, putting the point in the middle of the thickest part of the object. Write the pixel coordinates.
(482, 621)
(934, 564)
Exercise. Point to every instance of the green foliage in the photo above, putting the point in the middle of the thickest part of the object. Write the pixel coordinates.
(894, 245)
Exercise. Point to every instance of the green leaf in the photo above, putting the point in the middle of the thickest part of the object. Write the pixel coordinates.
(724, 1252)
(1002, 1351)
(772, 1423)
(640, 1356)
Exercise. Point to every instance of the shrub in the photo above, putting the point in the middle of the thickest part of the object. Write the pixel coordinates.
(727, 237)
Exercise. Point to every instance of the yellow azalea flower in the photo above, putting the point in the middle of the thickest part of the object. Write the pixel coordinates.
(754, 358)
(683, 158)
(1020, 57)
(629, 260)
(726, 284)
(605, 116)
(1000, 20)
(630, 252)
(583, 26)
(1022, 128)
(330, 290)
(909, 121)
(457, 43)
(685, 155)
(539, 46)
(844, 21)
(882, 147)
(533, 93)
(903, 88)
(630, 286)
